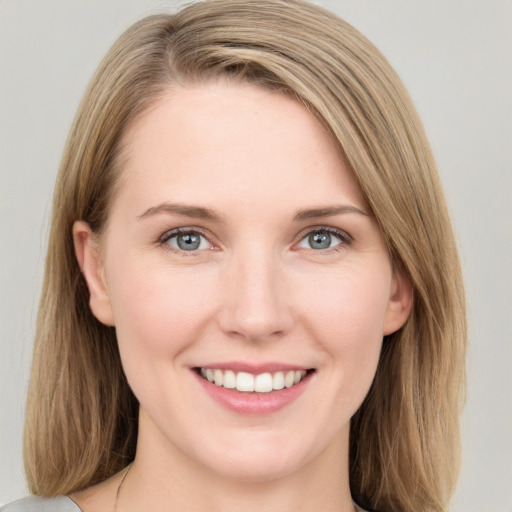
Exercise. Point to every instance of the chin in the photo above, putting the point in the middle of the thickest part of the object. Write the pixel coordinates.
(256, 471)
(259, 457)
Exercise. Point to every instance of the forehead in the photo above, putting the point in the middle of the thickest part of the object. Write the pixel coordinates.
(225, 141)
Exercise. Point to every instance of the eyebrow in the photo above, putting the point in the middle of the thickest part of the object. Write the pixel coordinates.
(327, 211)
(197, 212)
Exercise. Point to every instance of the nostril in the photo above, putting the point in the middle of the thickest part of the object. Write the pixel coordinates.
(255, 305)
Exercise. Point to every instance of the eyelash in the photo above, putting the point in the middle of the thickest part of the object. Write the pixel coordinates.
(164, 239)
(345, 239)
(343, 236)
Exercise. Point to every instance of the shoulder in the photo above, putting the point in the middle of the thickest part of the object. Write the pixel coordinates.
(39, 504)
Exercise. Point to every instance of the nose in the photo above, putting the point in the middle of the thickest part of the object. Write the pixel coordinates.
(255, 305)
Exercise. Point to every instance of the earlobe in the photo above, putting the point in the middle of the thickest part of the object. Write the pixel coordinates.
(91, 264)
(400, 302)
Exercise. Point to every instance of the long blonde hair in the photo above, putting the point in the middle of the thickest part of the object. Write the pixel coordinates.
(81, 422)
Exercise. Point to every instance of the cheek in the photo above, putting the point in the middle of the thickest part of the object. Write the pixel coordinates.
(157, 310)
(350, 304)
(346, 318)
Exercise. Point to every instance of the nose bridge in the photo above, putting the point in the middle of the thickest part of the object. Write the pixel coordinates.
(256, 306)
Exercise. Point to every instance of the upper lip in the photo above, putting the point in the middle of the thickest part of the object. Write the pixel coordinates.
(254, 368)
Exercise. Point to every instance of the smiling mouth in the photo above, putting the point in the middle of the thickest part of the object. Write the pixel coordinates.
(249, 383)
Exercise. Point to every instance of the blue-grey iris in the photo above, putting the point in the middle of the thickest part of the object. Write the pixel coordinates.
(319, 240)
(188, 241)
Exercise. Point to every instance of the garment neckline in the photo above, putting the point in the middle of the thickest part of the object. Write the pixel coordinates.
(75, 504)
(357, 507)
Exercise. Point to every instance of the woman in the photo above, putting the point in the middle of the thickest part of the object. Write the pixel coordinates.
(252, 293)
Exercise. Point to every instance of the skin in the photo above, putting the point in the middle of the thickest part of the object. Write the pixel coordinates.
(255, 291)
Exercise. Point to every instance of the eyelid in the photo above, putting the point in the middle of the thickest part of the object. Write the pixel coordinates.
(346, 238)
(167, 235)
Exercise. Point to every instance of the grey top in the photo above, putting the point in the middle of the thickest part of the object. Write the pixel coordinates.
(38, 504)
(58, 504)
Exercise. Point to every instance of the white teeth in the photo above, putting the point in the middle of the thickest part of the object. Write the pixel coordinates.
(244, 381)
(229, 379)
(289, 378)
(263, 383)
(218, 377)
(247, 382)
(278, 380)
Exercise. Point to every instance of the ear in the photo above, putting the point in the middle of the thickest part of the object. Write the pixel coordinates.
(91, 264)
(400, 302)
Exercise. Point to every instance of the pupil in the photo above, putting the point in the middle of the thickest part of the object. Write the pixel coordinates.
(320, 240)
(188, 241)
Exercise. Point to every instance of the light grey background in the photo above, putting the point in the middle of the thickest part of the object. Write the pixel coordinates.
(455, 57)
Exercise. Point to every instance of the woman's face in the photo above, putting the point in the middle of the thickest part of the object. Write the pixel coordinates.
(239, 249)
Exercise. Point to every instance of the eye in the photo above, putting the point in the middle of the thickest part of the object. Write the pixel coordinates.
(187, 241)
(323, 238)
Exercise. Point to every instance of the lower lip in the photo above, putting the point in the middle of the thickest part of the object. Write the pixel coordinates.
(254, 404)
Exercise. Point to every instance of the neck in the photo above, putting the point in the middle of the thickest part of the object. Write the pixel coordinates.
(162, 480)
